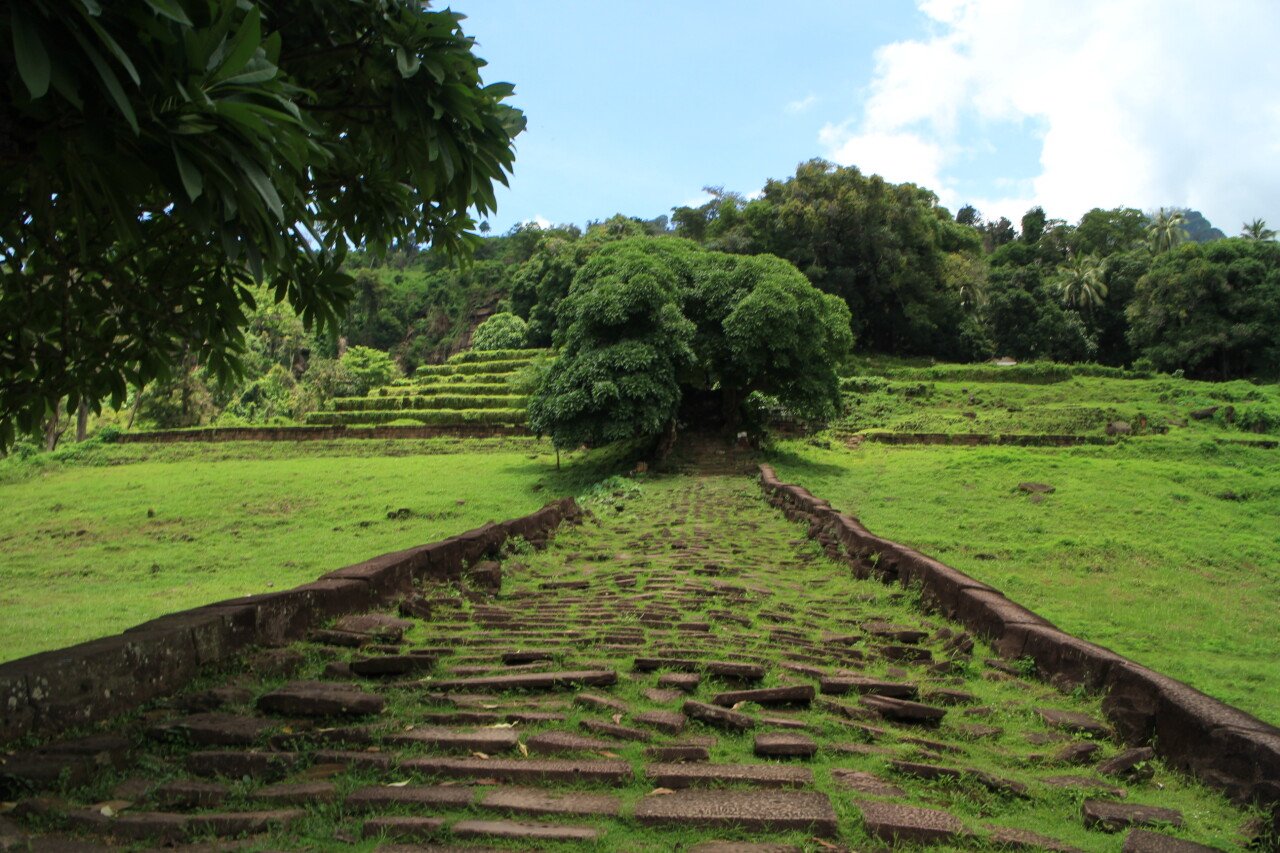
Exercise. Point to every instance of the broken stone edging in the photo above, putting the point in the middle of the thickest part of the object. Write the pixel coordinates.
(318, 433)
(980, 439)
(90, 682)
(1217, 743)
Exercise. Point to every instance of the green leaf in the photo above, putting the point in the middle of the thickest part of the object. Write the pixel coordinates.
(29, 51)
(248, 39)
(192, 180)
(112, 84)
(170, 9)
(407, 64)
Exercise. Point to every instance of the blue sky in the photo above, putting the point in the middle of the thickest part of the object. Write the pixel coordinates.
(633, 107)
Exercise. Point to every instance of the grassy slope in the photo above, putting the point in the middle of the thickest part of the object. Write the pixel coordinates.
(1080, 405)
(80, 556)
(1136, 550)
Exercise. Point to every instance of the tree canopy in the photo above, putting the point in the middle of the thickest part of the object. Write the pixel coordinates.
(160, 157)
(650, 323)
(1211, 309)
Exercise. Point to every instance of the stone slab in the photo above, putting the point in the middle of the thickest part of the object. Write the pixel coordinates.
(903, 710)
(531, 771)
(403, 828)
(320, 699)
(429, 796)
(716, 716)
(784, 745)
(893, 823)
(1143, 841)
(1113, 817)
(531, 681)
(534, 801)
(522, 830)
(753, 811)
(800, 694)
(682, 775)
(479, 740)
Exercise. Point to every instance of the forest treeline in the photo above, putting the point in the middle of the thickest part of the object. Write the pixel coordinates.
(1163, 290)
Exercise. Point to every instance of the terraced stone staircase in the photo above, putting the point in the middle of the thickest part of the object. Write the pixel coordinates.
(471, 388)
(683, 671)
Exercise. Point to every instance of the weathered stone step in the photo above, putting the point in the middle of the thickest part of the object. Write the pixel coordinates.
(320, 699)
(508, 770)
(904, 711)
(798, 694)
(213, 729)
(235, 764)
(716, 716)
(534, 801)
(383, 666)
(384, 796)
(722, 669)
(836, 685)
(403, 827)
(673, 775)
(522, 830)
(531, 681)
(893, 823)
(553, 743)
(785, 745)
(1113, 817)
(753, 811)
(164, 827)
(298, 793)
(481, 740)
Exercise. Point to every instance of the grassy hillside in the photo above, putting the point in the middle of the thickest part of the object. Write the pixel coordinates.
(1161, 546)
(93, 541)
(1055, 399)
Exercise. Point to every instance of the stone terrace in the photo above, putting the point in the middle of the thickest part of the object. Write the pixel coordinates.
(683, 669)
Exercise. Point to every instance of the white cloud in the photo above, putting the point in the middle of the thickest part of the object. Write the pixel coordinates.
(541, 221)
(1136, 103)
(798, 106)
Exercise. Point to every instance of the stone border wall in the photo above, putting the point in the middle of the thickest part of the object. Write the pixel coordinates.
(318, 433)
(51, 691)
(975, 439)
(1221, 745)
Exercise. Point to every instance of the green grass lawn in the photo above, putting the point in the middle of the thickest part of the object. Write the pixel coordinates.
(1076, 405)
(101, 537)
(1164, 549)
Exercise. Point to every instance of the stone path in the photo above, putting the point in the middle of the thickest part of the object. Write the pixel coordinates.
(683, 671)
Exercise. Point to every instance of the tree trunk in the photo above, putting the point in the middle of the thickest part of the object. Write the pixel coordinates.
(137, 404)
(82, 420)
(53, 429)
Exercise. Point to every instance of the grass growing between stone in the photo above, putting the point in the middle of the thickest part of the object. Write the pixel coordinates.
(97, 538)
(665, 546)
(1163, 548)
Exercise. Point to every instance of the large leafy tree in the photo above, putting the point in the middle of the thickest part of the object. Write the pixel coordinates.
(881, 247)
(1211, 309)
(651, 323)
(158, 157)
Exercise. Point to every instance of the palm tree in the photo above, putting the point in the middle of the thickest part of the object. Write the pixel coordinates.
(1165, 230)
(1081, 281)
(1257, 230)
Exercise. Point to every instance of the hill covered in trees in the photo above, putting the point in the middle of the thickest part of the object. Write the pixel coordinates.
(1118, 287)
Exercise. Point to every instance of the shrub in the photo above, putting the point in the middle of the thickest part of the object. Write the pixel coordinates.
(501, 331)
(367, 368)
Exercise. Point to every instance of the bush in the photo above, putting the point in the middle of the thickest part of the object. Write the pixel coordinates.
(367, 368)
(501, 331)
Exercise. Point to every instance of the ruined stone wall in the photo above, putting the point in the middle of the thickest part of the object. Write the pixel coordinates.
(974, 439)
(86, 683)
(1219, 744)
(318, 433)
